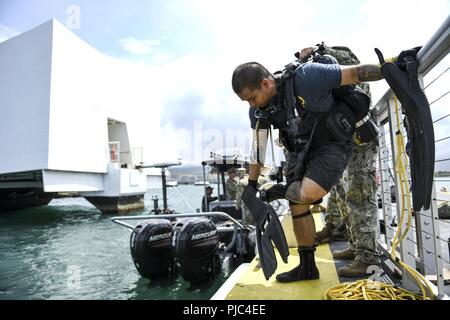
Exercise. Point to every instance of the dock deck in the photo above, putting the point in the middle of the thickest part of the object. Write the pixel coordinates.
(251, 284)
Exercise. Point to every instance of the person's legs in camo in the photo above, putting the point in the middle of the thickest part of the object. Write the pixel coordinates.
(334, 224)
(362, 209)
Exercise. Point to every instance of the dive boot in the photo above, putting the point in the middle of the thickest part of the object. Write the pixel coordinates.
(346, 254)
(355, 269)
(306, 270)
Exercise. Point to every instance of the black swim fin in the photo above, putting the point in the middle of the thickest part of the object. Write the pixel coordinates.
(268, 230)
(402, 77)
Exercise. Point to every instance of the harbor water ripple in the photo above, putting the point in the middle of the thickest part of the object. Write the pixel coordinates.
(69, 250)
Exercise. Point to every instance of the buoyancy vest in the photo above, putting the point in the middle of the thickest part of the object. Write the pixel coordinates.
(300, 128)
(353, 95)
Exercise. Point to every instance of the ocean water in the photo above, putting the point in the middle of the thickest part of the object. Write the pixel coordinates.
(69, 250)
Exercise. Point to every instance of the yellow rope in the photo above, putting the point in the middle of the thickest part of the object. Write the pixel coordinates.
(369, 290)
(401, 171)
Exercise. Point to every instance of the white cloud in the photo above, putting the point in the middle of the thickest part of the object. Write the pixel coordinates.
(139, 46)
(261, 30)
(6, 33)
(393, 26)
(269, 32)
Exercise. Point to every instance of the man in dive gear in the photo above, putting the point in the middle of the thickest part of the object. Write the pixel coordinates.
(315, 168)
(352, 205)
(352, 208)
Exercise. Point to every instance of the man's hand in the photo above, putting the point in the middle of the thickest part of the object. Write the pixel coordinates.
(273, 193)
(305, 53)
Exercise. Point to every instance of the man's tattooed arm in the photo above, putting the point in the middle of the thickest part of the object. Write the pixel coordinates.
(360, 73)
(369, 72)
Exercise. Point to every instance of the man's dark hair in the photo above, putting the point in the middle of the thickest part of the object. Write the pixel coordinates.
(248, 75)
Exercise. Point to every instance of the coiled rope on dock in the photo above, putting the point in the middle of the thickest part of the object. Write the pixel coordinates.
(369, 290)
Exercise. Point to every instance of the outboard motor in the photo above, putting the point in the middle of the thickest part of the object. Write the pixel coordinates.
(151, 249)
(196, 242)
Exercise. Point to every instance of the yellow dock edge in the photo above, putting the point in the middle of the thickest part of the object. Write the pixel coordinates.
(251, 284)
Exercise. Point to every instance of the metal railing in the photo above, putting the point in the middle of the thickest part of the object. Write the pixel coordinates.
(426, 245)
(119, 219)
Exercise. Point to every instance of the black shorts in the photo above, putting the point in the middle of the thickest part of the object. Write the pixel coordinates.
(324, 165)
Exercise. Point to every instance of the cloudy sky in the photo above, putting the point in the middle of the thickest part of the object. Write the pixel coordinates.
(187, 51)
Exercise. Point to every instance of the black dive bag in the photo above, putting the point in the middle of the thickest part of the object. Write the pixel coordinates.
(353, 111)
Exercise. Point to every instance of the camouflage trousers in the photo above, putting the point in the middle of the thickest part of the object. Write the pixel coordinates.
(353, 202)
(336, 205)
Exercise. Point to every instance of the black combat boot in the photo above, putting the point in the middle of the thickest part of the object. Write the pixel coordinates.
(306, 270)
